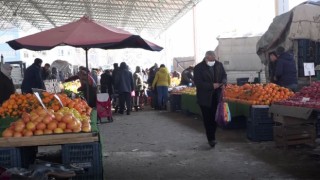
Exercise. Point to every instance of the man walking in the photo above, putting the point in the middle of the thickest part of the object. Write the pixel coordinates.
(209, 78)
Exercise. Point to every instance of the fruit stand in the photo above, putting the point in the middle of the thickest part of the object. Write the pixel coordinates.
(55, 119)
(249, 106)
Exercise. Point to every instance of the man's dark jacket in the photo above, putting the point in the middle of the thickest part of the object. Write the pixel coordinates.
(106, 83)
(186, 77)
(124, 80)
(204, 79)
(7, 88)
(32, 79)
(286, 71)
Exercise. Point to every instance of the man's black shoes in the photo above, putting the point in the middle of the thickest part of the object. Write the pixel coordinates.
(212, 143)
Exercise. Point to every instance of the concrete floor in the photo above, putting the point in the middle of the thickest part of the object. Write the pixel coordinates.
(154, 145)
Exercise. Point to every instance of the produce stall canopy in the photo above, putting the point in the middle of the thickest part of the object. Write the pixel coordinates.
(302, 22)
(152, 16)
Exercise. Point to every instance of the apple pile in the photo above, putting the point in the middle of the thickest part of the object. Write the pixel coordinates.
(40, 122)
(308, 96)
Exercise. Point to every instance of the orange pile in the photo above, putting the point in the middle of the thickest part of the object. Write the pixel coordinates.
(257, 94)
(40, 122)
(19, 103)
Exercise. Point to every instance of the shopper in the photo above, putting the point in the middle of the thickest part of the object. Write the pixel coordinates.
(286, 70)
(32, 77)
(153, 92)
(86, 79)
(161, 82)
(45, 72)
(209, 78)
(106, 83)
(138, 86)
(7, 86)
(124, 85)
(87, 83)
(187, 77)
(176, 74)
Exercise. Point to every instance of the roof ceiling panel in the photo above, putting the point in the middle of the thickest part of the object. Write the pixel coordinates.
(133, 15)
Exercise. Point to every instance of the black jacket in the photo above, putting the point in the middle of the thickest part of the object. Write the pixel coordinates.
(124, 81)
(7, 88)
(204, 79)
(32, 79)
(286, 70)
(106, 83)
(186, 77)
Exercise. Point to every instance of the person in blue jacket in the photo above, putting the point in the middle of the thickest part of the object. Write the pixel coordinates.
(286, 70)
(32, 77)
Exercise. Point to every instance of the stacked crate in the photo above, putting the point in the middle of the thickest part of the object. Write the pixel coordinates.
(260, 124)
(85, 155)
(17, 157)
(294, 131)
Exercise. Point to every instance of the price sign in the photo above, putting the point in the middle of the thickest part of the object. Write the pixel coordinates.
(251, 79)
(305, 99)
(308, 69)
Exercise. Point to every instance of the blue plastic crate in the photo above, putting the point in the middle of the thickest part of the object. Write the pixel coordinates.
(259, 132)
(175, 102)
(85, 155)
(28, 155)
(10, 157)
(260, 115)
(238, 122)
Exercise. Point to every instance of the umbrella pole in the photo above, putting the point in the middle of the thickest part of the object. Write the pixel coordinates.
(87, 85)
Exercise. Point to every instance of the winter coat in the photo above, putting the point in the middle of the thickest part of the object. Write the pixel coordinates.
(186, 77)
(162, 78)
(138, 81)
(7, 88)
(106, 83)
(204, 79)
(286, 71)
(45, 74)
(124, 80)
(152, 74)
(32, 79)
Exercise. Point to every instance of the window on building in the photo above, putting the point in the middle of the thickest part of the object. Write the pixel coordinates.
(308, 52)
(25, 54)
(60, 52)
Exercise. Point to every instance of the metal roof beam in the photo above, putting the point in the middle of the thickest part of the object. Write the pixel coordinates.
(39, 9)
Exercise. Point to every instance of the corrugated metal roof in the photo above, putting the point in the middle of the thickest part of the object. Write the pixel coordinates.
(152, 16)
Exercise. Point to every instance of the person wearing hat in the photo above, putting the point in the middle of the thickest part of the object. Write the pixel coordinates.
(7, 87)
(32, 77)
(209, 78)
(286, 70)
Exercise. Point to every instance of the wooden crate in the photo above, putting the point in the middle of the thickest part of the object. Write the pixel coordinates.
(45, 140)
(294, 135)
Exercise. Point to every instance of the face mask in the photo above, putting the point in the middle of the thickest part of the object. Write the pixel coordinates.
(210, 63)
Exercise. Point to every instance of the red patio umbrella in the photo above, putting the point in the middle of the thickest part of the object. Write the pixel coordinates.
(84, 33)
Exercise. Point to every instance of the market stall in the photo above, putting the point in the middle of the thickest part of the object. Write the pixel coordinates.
(45, 119)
